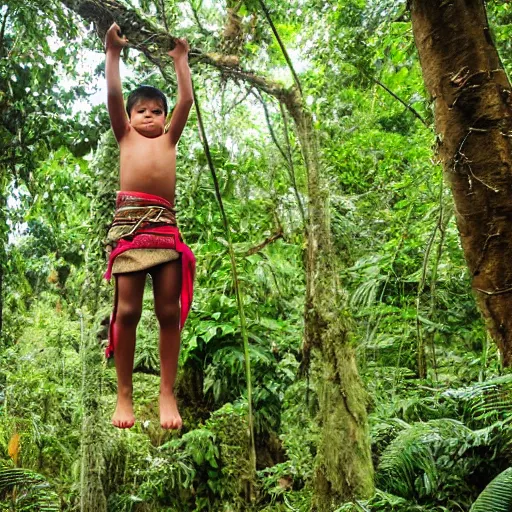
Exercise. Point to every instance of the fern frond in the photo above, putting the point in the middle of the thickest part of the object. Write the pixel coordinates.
(497, 496)
(486, 401)
(408, 466)
(36, 495)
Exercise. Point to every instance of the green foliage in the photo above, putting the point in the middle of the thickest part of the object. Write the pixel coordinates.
(24, 490)
(497, 496)
(428, 461)
(436, 442)
(229, 424)
(205, 466)
(410, 464)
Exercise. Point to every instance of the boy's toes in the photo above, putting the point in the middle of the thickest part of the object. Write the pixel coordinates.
(170, 418)
(123, 423)
(123, 415)
(171, 424)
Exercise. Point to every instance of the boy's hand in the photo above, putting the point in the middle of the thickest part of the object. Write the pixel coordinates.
(114, 39)
(180, 50)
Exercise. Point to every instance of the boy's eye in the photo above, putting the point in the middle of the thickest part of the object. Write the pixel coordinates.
(157, 112)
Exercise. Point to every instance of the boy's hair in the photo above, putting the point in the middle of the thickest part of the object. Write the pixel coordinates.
(145, 92)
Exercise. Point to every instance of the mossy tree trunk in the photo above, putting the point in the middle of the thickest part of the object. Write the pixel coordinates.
(93, 497)
(92, 467)
(472, 101)
(4, 232)
(344, 468)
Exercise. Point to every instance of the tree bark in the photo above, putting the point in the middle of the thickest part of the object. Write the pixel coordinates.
(344, 468)
(92, 467)
(472, 102)
(4, 233)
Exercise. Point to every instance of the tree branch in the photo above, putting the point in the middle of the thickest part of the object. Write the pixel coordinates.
(203, 30)
(155, 42)
(389, 91)
(262, 245)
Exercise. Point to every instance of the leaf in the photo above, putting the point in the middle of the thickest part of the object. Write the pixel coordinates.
(497, 496)
(37, 494)
(13, 447)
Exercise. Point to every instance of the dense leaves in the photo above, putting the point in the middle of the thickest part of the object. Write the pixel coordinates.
(438, 439)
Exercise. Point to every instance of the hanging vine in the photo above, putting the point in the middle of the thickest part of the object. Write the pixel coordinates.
(236, 283)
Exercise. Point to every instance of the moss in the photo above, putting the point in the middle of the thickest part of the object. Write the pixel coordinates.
(343, 467)
(92, 496)
(230, 427)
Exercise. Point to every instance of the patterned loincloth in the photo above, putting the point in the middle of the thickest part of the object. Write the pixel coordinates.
(142, 235)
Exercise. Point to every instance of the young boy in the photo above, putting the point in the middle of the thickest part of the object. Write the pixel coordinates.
(144, 237)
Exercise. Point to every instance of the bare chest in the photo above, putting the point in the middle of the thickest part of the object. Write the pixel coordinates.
(148, 165)
(137, 151)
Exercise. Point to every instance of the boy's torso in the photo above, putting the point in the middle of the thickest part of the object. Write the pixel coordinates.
(148, 165)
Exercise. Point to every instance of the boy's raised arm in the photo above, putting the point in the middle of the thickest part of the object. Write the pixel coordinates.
(114, 43)
(185, 96)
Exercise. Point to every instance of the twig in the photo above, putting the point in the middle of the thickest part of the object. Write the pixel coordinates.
(238, 102)
(466, 161)
(288, 155)
(269, 126)
(203, 30)
(164, 17)
(503, 291)
(292, 169)
(389, 91)
(484, 249)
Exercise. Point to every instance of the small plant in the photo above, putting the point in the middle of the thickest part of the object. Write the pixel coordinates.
(24, 490)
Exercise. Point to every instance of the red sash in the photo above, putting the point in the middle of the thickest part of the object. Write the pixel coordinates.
(150, 235)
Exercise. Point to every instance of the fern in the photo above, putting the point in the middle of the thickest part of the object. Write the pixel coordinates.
(404, 458)
(33, 492)
(497, 496)
(409, 465)
(486, 401)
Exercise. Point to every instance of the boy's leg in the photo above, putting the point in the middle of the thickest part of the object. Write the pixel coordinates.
(130, 290)
(166, 289)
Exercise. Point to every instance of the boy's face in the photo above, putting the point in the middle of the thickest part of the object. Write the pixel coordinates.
(148, 118)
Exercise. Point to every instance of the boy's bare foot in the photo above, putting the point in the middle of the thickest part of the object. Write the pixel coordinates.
(169, 415)
(123, 415)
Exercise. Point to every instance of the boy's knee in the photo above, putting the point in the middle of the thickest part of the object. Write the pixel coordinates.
(128, 314)
(168, 314)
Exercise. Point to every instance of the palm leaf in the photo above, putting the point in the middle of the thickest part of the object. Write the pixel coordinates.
(497, 496)
(33, 491)
(486, 401)
(408, 466)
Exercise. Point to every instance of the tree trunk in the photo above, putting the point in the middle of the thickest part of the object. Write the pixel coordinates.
(4, 231)
(92, 467)
(472, 97)
(344, 469)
